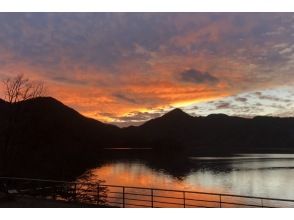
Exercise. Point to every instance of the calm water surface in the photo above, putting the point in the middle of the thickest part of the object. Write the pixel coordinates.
(264, 175)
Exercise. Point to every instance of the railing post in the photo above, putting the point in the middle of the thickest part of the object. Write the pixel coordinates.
(220, 200)
(98, 194)
(123, 196)
(184, 198)
(261, 203)
(151, 198)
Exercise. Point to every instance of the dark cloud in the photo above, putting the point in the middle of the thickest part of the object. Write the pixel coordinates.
(68, 80)
(194, 108)
(223, 105)
(262, 96)
(139, 116)
(241, 99)
(196, 76)
(137, 98)
(106, 114)
(277, 106)
(126, 97)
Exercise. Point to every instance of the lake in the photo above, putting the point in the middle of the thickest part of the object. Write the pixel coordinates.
(262, 175)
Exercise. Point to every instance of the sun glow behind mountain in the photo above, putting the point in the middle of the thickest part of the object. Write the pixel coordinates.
(126, 68)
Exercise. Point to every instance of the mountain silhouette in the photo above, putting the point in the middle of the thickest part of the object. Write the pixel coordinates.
(173, 117)
(218, 133)
(47, 121)
(45, 136)
(176, 113)
(44, 133)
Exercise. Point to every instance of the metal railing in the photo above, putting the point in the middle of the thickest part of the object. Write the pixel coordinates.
(130, 196)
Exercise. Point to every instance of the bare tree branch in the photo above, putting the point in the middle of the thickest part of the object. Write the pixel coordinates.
(20, 88)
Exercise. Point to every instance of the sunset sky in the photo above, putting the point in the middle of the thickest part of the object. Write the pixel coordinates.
(126, 68)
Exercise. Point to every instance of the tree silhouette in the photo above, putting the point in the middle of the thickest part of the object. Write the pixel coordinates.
(16, 89)
(20, 88)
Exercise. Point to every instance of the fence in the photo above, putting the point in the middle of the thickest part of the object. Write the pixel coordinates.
(129, 196)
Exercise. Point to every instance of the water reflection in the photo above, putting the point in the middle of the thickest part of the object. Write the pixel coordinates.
(252, 175)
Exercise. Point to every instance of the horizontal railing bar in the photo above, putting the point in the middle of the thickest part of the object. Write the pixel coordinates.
(191, 206)
(171, 197)
(142, 200)
(138, 194)
(201, 206)
(145, 188)
(198, 206)
(254, 197)
(168, 197)
(115, 186)
(202, 200)
(138, 205)
(116, 192)
(232, 203)
(168, 203)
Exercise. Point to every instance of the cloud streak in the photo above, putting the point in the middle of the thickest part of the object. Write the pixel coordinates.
(196, 76)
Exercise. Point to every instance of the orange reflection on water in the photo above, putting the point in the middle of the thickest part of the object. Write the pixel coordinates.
(136, 174)
(267, 176)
